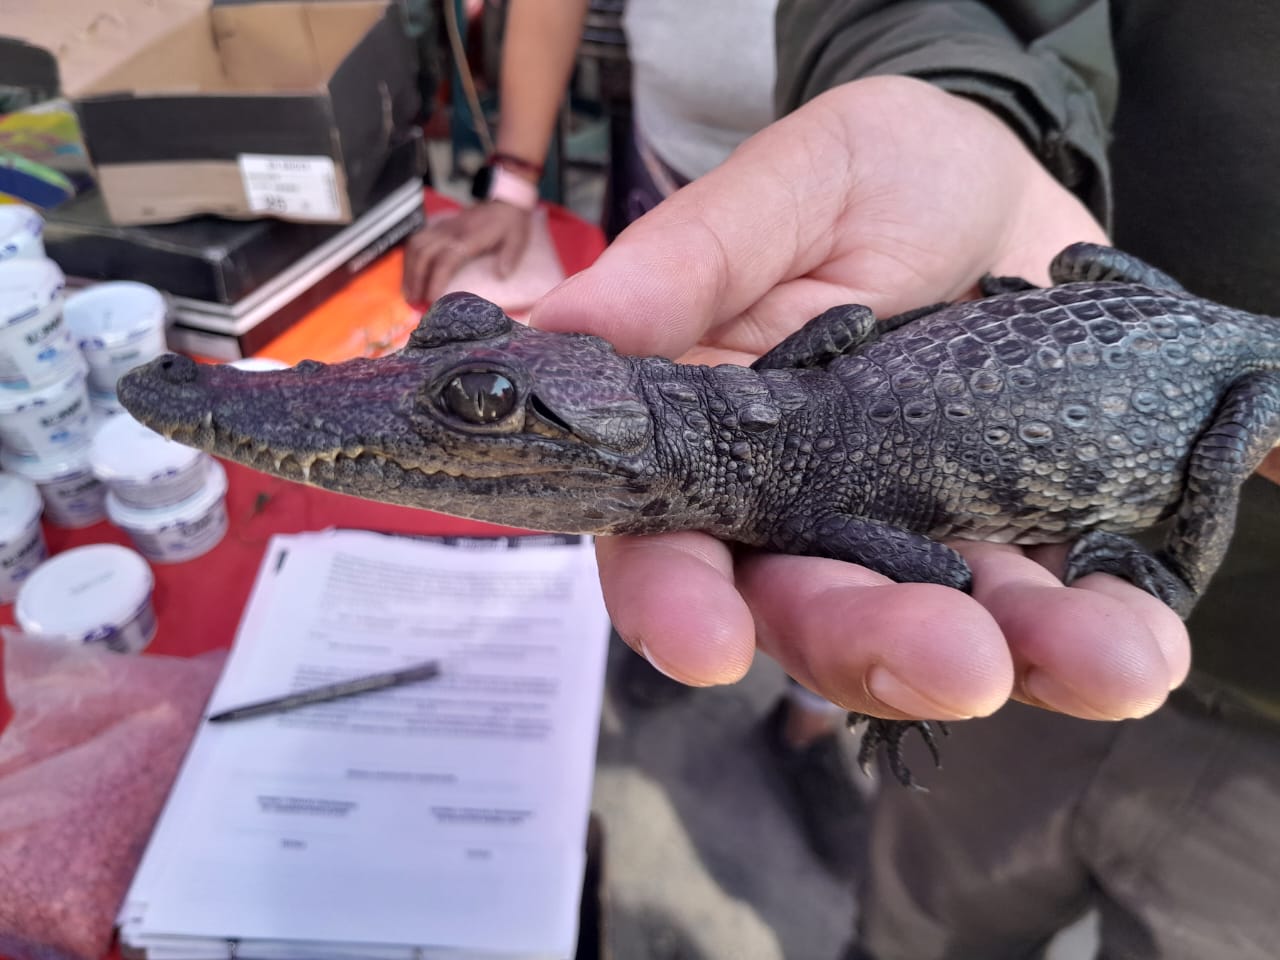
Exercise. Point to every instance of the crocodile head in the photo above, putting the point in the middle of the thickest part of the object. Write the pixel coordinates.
(477, 416)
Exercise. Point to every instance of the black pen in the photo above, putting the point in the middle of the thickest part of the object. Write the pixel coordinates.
(331, 691)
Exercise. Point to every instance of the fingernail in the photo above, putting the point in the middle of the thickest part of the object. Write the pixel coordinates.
(655, 664)
(892, 692)
(1050, 692)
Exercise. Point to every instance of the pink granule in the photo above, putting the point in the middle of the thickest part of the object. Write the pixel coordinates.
(85, 765)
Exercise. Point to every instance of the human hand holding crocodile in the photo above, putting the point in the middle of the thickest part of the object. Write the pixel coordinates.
(889, 193)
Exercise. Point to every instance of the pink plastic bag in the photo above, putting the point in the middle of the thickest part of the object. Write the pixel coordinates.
(85, 765)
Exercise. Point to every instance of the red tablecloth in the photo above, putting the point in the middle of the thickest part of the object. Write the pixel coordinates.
(198, 603)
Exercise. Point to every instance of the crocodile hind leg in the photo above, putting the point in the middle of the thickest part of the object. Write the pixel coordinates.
(834, 333)
(1244, 429)
(896, 553)
(1095, 262)
(889, 734)
(907, 558)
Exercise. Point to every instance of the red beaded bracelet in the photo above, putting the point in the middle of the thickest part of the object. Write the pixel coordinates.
(516, 163)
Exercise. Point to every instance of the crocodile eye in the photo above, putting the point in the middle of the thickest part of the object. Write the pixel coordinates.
(479, 396)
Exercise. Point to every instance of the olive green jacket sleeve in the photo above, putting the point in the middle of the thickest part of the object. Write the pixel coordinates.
(1045, 66)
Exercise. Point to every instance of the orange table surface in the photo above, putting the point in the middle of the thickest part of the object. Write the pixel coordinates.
(369, 317)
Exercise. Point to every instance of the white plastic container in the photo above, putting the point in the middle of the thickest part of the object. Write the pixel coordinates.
(49, 420)
(22, 546)
(21, 233)
(95, 594)
(182, 531)
(35, 344)
(118, 325)
(73, 497)
(141, 468)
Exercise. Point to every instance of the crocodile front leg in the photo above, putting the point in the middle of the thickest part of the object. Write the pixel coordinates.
(1086, 262)
(1097, 263)
(834, 333)
(1245, 428)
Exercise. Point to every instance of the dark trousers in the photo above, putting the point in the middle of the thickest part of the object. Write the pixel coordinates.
(630, 190)
(1169, 826)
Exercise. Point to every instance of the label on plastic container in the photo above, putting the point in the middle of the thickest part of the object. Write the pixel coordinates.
(47, 421)
(19, 559)
(184, 539)
(75, 500)
(132, 636)
(302, 188)
(35, 345)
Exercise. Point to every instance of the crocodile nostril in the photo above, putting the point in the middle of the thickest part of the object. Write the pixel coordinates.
(177, 368)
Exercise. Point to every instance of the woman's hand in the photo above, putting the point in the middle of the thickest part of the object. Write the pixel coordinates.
(890, 193)
(435, 253)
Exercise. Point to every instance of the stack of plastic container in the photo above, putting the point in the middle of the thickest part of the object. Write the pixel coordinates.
(118, 325)
(60, 357)
(22, 546)
(169, 498)
(46, 421)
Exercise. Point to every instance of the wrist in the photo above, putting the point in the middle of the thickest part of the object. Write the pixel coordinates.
(517, 163)
(497, 183)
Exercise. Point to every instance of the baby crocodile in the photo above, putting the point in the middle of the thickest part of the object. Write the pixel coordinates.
(1087, 411)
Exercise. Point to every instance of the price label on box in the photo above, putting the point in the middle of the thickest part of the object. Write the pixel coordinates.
(300, 188)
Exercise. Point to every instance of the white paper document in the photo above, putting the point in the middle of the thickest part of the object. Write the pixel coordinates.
(446, 818)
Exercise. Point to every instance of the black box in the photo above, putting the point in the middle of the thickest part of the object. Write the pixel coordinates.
(209, 259)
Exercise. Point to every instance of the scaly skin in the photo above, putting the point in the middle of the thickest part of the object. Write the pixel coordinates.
(1086, 411)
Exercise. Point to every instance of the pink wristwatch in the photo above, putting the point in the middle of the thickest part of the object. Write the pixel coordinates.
(510, 188)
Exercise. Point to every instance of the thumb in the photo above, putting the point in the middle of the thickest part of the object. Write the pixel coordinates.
(710, 251)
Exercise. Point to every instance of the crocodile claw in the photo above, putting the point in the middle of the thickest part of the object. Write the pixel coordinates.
(889, 734)
(1102, 552)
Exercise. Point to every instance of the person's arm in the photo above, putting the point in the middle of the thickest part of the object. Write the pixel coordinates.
(540, 42)
(538, 51)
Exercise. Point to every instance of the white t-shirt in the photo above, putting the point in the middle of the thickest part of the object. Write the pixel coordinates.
(702, 76)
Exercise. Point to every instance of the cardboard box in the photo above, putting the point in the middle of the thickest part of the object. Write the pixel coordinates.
(205, 258)
(270, 108)
(235, 285)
